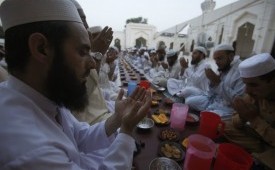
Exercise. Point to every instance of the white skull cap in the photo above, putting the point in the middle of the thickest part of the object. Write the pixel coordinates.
(171, 53)
(224, 47)
(19, 12)
(257, 65)
(201, 49)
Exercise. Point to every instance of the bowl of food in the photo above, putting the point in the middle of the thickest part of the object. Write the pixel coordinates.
(163, 163)
(160, 119)
(145, 124)
(169, 134)
(154, 103)
(171, 150)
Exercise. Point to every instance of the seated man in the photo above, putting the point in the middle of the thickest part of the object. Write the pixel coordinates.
(48, 58)
(96, 110)
(193, 80)
(224, 87)
(172, 68)
(254, 120)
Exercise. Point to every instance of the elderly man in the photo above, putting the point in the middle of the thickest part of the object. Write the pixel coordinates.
(224, 87)
(193, 80)
(257, 108)
(48, 58)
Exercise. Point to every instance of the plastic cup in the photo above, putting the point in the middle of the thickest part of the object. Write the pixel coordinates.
(144, 83)
(211, 125)
(131, 87)
(178, 116)
(231, 156)
(200, 153)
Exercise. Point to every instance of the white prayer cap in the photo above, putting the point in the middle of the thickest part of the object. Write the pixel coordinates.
(171, 53)
(77, 5)
(201, 49)
(224, 47)
(257, 65)
(18, 12)
(95, 29)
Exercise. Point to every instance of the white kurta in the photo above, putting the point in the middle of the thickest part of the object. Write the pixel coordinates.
(97, 109)
(31, 138)
(194, 77)
(160, 77)
(220, 97)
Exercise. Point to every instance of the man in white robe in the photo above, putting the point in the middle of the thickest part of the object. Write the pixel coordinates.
(223, 87)
(96, 110)
(37, 130)
(172, 69)
(192, 80)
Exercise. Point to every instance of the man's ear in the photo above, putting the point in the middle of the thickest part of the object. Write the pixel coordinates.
(39, 47)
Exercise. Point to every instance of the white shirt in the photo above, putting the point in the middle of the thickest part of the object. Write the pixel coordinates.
(193, 76)
(32, 139)
(231, 85)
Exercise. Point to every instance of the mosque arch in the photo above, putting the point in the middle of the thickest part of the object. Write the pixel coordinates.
(161, 44)
(192, 45)
(244, 42)
(241, 20)
(171, 46)
(140, 42)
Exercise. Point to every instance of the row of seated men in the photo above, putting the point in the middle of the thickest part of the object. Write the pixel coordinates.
(224, 94)
(241, 92)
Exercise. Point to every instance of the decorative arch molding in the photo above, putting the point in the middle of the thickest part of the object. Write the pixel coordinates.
(143, 34)
(245, 17)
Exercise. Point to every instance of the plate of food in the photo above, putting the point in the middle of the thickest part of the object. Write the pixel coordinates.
(169, 134)
(160, 119)
(154, 103)
(164, 163)
(171, 150)
(192, 119)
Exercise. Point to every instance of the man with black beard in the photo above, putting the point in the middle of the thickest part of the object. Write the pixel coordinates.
(192, 80)
(224, 87)
(171, 67)
(48, 58)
